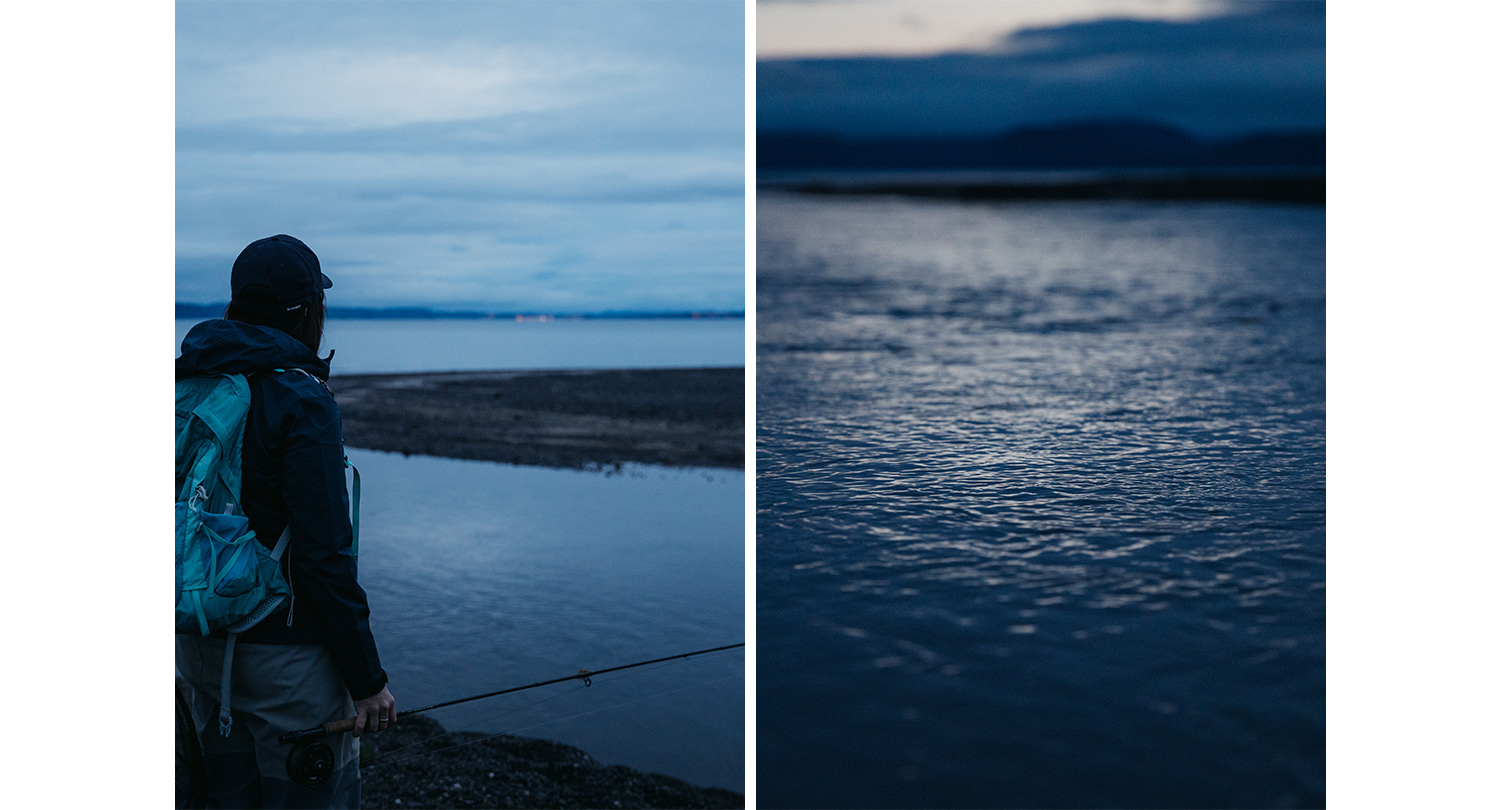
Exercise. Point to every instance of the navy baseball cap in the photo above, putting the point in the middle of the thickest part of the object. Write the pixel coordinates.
(276, 275)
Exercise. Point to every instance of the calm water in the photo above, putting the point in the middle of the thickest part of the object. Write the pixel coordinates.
(380, 346)
(1040, 504)
(484, 576)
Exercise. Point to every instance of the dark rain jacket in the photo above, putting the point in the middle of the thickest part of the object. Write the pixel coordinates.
(293, 472)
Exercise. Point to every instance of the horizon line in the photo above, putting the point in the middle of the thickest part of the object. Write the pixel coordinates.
(193, 310)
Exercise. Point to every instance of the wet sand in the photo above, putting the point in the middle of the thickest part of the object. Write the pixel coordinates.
(593, 419)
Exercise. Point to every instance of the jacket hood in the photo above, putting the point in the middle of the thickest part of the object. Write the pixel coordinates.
(231, 347)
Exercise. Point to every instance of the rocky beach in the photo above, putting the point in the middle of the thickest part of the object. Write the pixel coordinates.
(418, 764)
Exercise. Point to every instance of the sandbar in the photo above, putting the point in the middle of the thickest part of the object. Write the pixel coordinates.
(579, 419)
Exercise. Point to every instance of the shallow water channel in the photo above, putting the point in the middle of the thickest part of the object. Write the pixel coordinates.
(484, 576)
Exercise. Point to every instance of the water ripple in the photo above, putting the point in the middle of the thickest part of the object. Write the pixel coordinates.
(1041, 485)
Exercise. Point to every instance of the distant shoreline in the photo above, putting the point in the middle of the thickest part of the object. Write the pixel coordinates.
(595, 419)
(196, 310)
(1295, 189)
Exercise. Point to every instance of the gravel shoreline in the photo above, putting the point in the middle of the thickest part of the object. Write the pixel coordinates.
(593, 419)
(418, 764)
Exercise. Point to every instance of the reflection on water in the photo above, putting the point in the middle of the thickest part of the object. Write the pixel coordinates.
(1040, 504)
(484, 576)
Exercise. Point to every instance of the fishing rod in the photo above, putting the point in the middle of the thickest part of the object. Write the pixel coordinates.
(347, 724)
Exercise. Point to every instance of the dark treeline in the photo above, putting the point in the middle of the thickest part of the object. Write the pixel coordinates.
(1297, 189)
(1084, 145)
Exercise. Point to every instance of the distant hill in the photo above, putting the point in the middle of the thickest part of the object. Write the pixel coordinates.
(423, 313)
(1079, 145)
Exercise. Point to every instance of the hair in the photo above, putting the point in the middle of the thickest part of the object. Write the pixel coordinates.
(305, 324)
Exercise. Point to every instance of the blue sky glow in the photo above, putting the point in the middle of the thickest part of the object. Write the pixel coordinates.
(548, 156)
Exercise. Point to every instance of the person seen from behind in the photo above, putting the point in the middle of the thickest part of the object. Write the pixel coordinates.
(314, 660)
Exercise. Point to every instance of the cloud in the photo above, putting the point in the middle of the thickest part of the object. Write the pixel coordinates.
(1264, 28)
(358, 90)
(820, 28)
(1260, 67)
(520, 155)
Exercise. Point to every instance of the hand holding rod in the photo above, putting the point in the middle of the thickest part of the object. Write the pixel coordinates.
(347, 724)
(335, 727)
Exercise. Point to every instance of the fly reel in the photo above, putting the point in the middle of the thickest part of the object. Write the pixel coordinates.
(310, 764)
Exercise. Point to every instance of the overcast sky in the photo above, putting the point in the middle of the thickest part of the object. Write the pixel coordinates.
(811, 28)
(896, 67)
(550, 156)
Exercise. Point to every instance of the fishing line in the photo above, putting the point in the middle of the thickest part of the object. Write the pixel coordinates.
(347, 724)
(382, 759)
(490, 718)
(487, 719)
(583, 675)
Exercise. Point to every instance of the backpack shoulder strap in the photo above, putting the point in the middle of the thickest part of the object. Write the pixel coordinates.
(354, 490)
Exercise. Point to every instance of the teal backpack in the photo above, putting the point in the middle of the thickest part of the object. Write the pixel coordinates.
(226, 578)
